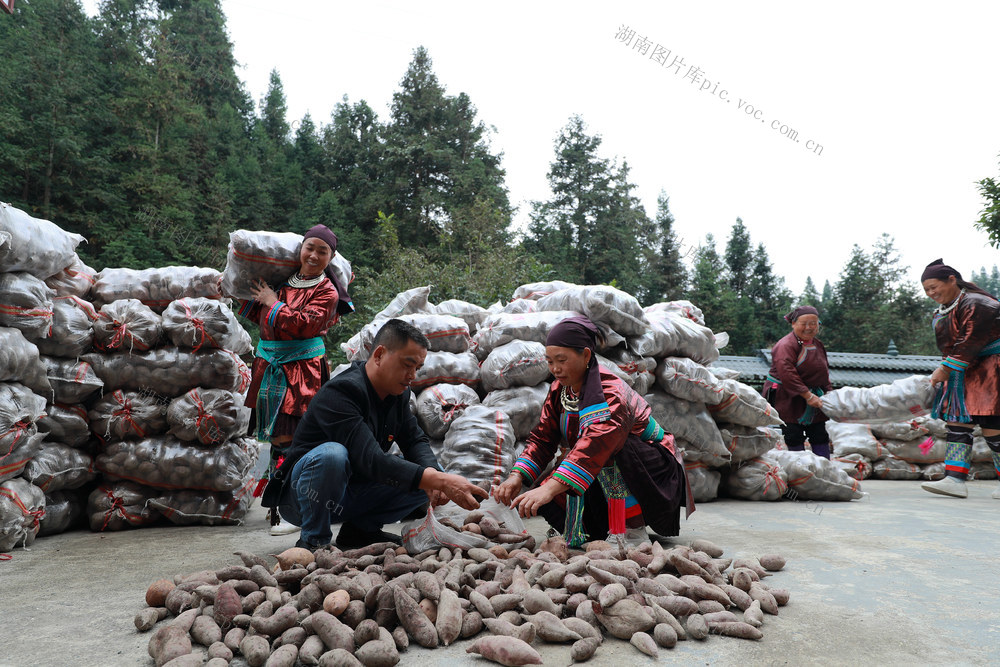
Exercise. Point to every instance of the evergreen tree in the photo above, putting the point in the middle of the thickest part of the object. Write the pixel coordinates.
(437, 157)
(710, 291)
(873, 303)
(666, 275)
(355, 188)
(989, 218)
(827, 296)
(592, 230)
(989, 281)
(770, 297)
(739, 258)
(50, 116)
(810, 296)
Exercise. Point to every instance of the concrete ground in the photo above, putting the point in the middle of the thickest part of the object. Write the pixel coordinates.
(900, 577)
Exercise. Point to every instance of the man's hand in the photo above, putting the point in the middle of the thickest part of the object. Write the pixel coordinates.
(453, 487)
(506, 492)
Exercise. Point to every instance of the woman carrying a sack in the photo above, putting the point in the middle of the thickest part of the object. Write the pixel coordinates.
(291, 365)
(967, 329)
(799, 375)
(616, 469)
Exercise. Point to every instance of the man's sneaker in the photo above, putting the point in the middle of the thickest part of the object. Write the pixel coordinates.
(352, 537)
(947, 486)
(284, 528)
(996, 493)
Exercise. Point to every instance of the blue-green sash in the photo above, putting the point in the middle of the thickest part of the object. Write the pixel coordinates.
(274, 384)
(949, 404)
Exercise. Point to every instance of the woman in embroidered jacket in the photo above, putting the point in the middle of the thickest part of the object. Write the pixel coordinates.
(799, 375)
(967, 329)
(291, 361)
(616, 467)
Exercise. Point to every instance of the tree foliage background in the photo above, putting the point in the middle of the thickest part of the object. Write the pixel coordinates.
(133, 129)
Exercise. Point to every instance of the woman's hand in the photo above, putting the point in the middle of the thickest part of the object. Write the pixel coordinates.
(813, 401)
(940, 375)
(529, 504)
(506, 492)
(263, 294)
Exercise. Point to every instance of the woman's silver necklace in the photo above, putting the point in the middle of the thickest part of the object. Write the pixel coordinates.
(569, 404)
(298, 281)
(944, 310)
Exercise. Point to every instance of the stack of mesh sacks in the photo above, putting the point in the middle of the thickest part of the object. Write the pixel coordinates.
(883, 432)
(171, 421)
(727, 430)
(485, 379)
(44, 455)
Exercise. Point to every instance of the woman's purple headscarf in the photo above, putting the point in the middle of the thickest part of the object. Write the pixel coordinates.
(325, 234)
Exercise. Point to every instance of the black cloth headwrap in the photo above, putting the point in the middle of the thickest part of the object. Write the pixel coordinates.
(938, 270)
(799, 312)
(578, 333)
(325, 234)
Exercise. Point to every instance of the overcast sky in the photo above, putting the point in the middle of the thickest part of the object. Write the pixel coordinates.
(901, 97)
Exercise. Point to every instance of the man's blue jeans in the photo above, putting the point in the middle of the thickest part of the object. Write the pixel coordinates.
(321, 491)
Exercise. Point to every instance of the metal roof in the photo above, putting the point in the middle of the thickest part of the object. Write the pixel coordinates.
(847, 369)
(910, 363)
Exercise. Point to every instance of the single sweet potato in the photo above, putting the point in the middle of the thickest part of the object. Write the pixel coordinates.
(753, 614)
(708, 547)
(310, 651)
(233, 638)
(696, 626)
(739, 597)
(413, 619)
(167, 643)
(220, 650)
(709, 606)
(156, 594)
(644, 643)
(206, 631)
(366, 631)
(227, 605)
(283, 618)
(780, 596)
(378, 654)
(665, 635)
(550, 628)
(283, 656)
(401, 639)
(506, 651)
(472, 624)
(339, 657)
(625, 618)
(189, 660)
(772, 562)
(148, 617)
(719, 617)
(581, 627)
(535, 601)
(333, 633)
(255, 649)
(449, 617)
(611, 594)
(584, 649)
(736, 629)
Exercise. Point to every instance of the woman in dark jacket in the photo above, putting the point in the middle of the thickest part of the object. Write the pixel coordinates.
(799, 375)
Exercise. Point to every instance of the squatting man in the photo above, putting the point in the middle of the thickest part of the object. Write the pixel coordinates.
(338, 467)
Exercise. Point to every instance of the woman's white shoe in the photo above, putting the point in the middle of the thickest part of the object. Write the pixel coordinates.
(284, 528)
